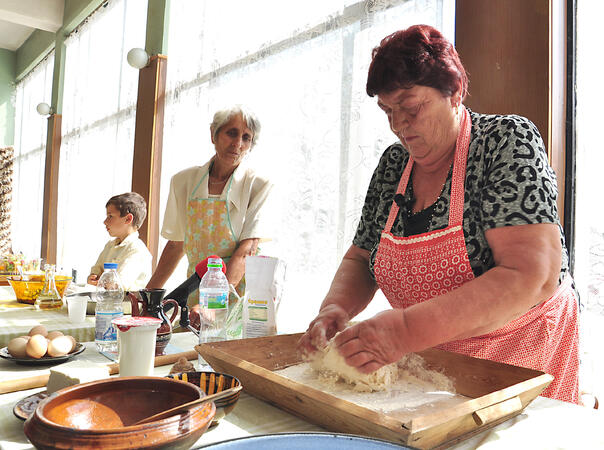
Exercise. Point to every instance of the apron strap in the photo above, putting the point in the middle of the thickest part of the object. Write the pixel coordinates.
(459, 171)
(402, 186)
(457, 182)
(198, 184)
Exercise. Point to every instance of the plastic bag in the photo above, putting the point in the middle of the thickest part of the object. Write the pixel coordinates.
(264, 280)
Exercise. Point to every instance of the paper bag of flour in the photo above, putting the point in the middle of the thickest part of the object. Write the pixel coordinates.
(264, 279)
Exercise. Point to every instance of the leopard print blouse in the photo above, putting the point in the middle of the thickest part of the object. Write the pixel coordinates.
(508, 182)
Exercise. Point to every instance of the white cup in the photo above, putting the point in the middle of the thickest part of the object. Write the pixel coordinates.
(76, 308)
(137, 344)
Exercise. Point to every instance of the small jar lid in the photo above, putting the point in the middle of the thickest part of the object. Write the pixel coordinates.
(124, 323)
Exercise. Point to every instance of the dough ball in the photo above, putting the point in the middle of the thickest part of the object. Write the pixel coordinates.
(332, 367)
(36, 346)
(39, 329)
(73, 343)
(59, 346)
(54, 334)
(16, 347)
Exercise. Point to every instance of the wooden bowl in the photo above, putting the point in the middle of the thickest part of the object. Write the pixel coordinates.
(101, 414)
(211, 382)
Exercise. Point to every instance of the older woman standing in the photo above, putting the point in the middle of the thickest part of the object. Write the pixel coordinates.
(216, 209)
(459, 230)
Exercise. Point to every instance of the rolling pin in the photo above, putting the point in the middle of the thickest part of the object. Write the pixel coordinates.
(37, 381)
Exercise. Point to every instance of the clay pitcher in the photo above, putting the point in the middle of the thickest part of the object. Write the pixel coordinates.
(152, 301)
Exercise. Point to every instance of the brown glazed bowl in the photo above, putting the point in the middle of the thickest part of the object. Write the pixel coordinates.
(101, 414)
(210, 383)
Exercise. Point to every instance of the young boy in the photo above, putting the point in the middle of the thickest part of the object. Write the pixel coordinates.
(125, 214)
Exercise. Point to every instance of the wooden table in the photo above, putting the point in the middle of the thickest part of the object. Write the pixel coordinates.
(16, 319)
(545, 423)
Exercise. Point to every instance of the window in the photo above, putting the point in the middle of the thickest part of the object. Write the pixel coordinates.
(30, 159)
(99, 104)
(301, 67)
(589, 220)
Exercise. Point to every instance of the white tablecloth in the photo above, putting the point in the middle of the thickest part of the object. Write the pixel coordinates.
(16, 319)
(545, 424)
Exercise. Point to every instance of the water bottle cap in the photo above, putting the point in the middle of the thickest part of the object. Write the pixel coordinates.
(215, 262)
(110, 266)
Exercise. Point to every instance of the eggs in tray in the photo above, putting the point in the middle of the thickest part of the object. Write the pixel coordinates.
(39, 342)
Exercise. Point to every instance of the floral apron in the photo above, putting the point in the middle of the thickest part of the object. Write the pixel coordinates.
(414, 269)
(209, 232)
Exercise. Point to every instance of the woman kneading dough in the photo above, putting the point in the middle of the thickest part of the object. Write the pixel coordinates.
(459, 230)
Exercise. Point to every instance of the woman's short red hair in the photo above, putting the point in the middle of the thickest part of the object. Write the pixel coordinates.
(418, 55)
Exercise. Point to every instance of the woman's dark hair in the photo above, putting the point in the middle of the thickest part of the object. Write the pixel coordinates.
(130, 203)
(418, 55)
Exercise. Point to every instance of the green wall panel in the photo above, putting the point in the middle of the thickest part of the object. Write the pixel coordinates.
(7, 92)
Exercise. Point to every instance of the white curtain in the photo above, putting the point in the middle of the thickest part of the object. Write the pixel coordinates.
(589, 220)
(30, 158)
(301, 66)
(99, 105)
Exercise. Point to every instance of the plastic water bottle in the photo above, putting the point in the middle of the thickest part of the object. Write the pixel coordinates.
(109, 298)
(213, 302)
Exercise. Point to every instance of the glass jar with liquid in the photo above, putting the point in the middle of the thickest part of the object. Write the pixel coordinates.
(49, 297)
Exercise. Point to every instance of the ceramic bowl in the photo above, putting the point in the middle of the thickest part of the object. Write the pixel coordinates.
(27, 288)
(101, 414)
(210, 383)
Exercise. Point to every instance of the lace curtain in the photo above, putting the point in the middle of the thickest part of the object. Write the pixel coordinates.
(589, 219)
(301, 66)
(30, 158)
(99, 106)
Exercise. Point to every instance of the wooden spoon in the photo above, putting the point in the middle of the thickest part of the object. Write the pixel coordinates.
(189, 405)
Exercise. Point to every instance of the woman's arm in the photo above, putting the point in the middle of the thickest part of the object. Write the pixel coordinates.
(236, 265)
(527, 267)
(351, 291)
(352, 287)
(170, 257)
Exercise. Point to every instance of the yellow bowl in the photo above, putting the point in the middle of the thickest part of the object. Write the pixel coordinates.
(27, 289)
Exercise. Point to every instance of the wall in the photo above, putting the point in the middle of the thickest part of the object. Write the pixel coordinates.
(504, 46)
(7, 108)
(37, 46)
(514, 53)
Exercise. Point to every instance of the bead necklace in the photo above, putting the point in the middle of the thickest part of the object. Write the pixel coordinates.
(421, 221)
(442, 189)
(217, 182)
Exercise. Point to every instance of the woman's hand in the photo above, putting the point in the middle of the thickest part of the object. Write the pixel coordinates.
(331, 319)
(197, 316)
(351, 290)
(375, 342)
(236, 266)
(93, 279)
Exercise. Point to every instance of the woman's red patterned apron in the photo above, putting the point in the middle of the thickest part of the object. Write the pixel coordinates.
(414, 269)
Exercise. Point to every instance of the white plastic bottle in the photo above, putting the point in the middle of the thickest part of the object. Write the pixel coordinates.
(109, 298)
(213, 302)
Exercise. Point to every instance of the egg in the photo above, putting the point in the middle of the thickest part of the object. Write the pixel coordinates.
(36, 346)
(25, 337)
(73, 343)
(38, 329)
(53, 334)
(16, 347)
(59, 346)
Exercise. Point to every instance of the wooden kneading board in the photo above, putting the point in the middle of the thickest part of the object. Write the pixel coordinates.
(496, 392)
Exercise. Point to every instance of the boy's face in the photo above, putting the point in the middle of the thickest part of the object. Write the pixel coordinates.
(117, 226)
